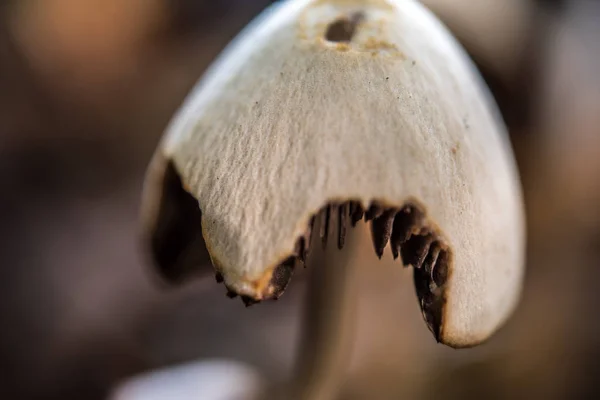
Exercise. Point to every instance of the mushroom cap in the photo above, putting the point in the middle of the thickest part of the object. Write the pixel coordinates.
(295, 115)
(209, 380)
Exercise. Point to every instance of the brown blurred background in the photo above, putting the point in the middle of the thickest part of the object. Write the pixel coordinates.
(86, 89)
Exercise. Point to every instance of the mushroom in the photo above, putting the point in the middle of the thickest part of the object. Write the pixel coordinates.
(209, 379)
(324, 113)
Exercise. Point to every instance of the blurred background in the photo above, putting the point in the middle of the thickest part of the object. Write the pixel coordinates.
(86, 89)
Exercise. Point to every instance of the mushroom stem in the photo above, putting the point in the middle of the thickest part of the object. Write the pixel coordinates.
(329, 320)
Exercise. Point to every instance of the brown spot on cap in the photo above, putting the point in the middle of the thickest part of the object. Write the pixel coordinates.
(344, 29)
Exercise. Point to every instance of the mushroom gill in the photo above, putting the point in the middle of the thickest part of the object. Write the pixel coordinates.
(409, 235)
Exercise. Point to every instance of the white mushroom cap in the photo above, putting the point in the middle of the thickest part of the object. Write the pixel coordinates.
(370, 102)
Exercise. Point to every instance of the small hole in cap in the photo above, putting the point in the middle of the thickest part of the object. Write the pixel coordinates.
(343, 29)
